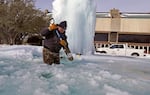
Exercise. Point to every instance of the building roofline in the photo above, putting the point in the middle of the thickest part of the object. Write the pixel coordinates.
(124, 15)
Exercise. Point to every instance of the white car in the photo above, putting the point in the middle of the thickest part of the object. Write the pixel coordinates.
(121, 49)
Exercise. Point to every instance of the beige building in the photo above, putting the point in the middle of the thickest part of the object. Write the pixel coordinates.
(117, 27)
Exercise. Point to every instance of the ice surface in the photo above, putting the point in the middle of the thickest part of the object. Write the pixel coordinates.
(22, 72)
(81, 16)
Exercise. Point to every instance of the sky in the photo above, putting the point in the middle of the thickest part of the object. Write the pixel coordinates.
(106, 5)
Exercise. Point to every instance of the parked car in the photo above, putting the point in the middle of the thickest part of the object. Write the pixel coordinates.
(121, 49)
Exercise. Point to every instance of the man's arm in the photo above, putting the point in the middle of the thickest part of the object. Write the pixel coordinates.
(48, 30)
(45, 32)
(64, 43)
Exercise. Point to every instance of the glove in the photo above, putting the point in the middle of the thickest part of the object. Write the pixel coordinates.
(63, 43)
(70, 57)
(52, 27)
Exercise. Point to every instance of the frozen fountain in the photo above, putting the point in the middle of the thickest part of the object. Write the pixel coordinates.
(81, 16)
(22, 71)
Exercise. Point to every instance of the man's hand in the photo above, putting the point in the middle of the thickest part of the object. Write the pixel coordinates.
(63, 43)
(70, 57)
(52, 27)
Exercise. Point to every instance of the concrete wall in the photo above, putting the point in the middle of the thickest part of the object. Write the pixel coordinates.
(127, 25)
(103, 25)
(135, 25)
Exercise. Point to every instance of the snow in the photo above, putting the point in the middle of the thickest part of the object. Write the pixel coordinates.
(22, 72)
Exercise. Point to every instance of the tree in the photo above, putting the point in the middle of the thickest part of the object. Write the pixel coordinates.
(19, 17)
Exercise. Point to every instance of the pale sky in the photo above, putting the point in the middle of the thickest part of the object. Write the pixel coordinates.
(106, 5)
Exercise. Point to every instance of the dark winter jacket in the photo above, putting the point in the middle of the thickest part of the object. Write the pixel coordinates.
(51, 40)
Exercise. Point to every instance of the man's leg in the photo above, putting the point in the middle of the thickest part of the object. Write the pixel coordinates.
(47, 57)
(57, 59)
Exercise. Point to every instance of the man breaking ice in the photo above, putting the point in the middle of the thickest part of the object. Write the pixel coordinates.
(54, 40)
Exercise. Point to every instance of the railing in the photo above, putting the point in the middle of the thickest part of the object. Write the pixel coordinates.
(145, 46)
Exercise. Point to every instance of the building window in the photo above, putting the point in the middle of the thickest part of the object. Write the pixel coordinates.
(134, 38)
(101, 37)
